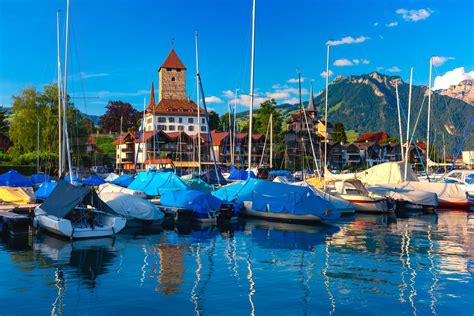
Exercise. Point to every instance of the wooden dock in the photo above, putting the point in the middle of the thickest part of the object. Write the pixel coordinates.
(14, 224)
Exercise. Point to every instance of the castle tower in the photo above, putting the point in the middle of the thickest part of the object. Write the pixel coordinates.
(172, 76)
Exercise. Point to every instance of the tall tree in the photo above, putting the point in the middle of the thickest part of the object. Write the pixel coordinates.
(262, 120)
(3, 120)
(214, 120)
(116, 110)
(339, 133)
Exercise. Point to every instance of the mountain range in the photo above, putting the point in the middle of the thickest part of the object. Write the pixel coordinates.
(368, 103)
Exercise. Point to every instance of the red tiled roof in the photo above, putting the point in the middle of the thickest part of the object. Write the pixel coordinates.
(173, 61)
(218, 137)
(175, 107)
(121, 140)
(378, 137)
(152, 95)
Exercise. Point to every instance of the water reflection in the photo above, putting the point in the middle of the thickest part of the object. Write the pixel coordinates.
(367, 264)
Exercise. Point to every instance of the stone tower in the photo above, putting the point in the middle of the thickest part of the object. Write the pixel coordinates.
(172, 78)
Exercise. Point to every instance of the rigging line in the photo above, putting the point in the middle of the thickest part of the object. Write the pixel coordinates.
(450, 115)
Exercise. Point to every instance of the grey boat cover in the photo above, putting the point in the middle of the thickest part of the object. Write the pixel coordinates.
(65, 197)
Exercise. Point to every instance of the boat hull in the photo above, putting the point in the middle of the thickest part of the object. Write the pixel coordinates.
(111, 225)
(461, 206)
(367, 204)
(282, 217)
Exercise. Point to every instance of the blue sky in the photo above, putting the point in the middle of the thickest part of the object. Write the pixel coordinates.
(118, 45)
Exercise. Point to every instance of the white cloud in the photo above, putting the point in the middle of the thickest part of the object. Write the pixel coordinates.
(85, 75)
(343, 62)
(391, 24)
(278, 95)
(348, 40)
(229, 94)
(293, 100)
(323, 74)
(213, 99)
(295, 80)
(414, 15)
(346, 62)
(376, 24)
(379, 68)
(452, 77)
(440, 60)
(394, 69)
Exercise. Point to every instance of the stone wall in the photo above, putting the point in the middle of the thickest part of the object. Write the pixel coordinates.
(172, 84)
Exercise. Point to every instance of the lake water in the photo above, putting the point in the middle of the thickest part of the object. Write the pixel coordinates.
(364, 265)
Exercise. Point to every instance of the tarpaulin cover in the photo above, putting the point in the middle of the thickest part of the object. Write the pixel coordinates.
(65, 197)
(93, 180)
(17, 196)
(131, 206)
(281, 173)
(199, 202)
(45, 190)
(446, 192)
(123, 181)
(109, 187)
(388, 172)
(199, 185)
(211, 177)
(405, 192)
(111, 177)
(237, 174)
(13, 178)
(38, 178)
(267, 196)
(157, 183)
(75, 179)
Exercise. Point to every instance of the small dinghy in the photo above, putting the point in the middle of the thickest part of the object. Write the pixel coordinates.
(197, 206)
(77, 212)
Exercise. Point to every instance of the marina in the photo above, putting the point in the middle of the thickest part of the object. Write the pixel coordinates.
(417, 265)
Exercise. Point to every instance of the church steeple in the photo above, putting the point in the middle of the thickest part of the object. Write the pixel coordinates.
(172, 76)
(311, 100)
(152, 97)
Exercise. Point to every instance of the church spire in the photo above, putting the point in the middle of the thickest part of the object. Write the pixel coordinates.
(152, 96)
(311, 100)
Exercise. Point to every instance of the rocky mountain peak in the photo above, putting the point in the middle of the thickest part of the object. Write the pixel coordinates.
(463, 91)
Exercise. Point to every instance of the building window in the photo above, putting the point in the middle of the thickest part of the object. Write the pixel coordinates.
(203, 121)
(191, 128)
(149, 120)
(172, 128)
(171, 119)
(203, 128)
(178, 70)
(168, 69)
(190, 120)
(180, 128)
(172, 79)
(162, 120)
(180, 120)
(163, 127)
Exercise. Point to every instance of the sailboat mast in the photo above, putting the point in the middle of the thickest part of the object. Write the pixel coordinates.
(399, 121)
(429, 118)
(271, 140)
(408, 125)
(230, 134)
(326, 111)
(235, 121)
(66, 137)
(198, 102)
(252, 65)
(60, 128)
(38, 147)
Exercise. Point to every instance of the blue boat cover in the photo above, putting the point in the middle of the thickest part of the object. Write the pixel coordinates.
(278, 198)
(211, 177)
(281, 173)
(123, 181)
(237, 174)
(199, 202)
(38, 178)
(13, 178)
(199, 185)
(75, 179)
(155, 183)
(93, 180)
(45, 190)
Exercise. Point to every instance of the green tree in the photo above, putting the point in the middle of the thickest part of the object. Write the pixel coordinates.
(3, 120)
(339, 133)
(116, 110)
(214, 121)
(262, 120)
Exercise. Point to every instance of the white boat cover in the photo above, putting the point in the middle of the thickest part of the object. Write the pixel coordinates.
(388, 172)
(131, 206)
(447, 192)
(109, 187)
(111, 177)
(405, 191)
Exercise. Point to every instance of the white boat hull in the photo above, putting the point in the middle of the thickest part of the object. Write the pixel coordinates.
(367, 203)
(111, 225)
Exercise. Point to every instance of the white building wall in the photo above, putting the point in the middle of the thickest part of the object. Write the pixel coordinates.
(176, 123)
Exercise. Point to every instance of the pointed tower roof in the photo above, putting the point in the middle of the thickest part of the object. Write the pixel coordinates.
(152, 96)
(311, 100)
(173, 61)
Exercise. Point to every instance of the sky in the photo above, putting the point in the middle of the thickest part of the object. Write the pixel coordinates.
(117, 46)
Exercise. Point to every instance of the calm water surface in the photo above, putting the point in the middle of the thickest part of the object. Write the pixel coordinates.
(366, 265)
